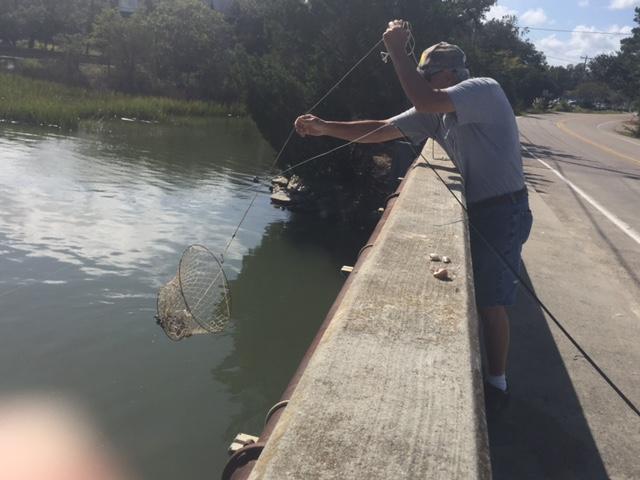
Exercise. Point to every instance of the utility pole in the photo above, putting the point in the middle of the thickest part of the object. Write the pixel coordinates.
(586, 59)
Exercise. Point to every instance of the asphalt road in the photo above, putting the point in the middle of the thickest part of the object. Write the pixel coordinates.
(583, 261)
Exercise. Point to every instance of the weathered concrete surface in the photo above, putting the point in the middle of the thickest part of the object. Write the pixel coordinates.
(394, 388)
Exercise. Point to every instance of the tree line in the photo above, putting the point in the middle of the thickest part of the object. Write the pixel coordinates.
(280, 56)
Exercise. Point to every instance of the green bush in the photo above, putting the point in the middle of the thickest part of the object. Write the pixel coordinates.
(564, 106)
(539, 105)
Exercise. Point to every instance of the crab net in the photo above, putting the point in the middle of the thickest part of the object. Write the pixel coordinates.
(196, 300)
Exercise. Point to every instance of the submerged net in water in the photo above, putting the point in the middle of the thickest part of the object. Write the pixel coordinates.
(196, 300)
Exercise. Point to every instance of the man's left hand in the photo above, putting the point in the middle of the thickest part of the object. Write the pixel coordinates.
(396, 36)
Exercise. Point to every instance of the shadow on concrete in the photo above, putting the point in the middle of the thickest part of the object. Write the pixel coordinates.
(543, 434)
(452, 169)
(537, 181)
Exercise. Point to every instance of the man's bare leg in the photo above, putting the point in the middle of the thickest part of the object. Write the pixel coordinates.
(496, 338)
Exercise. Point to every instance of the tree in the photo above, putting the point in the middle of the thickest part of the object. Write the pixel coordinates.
(499, 52)
(43, 20)
(566, 78)
(592, 94)
(310, 45)
(614, 72)
(10, 31)
(305, 47)
(125, 42)
(189, 42)
(630, 56)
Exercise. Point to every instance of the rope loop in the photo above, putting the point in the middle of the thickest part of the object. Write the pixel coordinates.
(409, 46)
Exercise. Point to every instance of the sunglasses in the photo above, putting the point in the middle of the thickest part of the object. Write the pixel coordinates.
(428, 73)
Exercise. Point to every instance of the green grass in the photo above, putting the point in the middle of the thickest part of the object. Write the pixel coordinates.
(40, 102)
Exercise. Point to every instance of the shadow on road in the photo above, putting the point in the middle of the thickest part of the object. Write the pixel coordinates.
(548, 152)
(543, 434)
(537, 181)
(543, 151)
(613, 247)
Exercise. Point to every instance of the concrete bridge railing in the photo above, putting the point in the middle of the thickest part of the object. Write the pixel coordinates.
(393, 389)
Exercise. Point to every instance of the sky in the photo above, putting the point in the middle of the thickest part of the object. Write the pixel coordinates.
(560, 48)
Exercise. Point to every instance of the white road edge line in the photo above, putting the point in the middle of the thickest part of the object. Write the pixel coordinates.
(615, 220)
(617, 135)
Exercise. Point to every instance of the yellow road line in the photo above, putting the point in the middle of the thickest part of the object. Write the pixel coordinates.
(565, 129)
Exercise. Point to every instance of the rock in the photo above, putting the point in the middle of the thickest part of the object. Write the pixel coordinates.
(295, 184)
(446, 259)
(381, 165)
(280, 181)
(281, 198)
(434, 257)
(441, 274)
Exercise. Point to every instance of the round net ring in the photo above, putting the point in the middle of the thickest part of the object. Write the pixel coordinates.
(197, 299)
(204, 288)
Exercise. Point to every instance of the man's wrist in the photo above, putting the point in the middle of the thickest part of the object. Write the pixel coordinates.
(395, 49)
(325, 127)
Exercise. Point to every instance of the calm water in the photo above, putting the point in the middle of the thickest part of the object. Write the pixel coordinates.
(92, 223)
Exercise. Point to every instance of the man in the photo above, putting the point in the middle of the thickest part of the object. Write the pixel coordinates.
(473, 121)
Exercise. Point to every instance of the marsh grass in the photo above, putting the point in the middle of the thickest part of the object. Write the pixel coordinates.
(39, 102)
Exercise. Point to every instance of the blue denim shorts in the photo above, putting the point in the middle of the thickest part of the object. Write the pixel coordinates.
(506, 227)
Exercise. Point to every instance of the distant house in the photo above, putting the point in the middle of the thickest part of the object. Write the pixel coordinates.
(127, 7)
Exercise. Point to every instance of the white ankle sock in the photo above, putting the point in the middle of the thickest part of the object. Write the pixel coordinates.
(498, 381)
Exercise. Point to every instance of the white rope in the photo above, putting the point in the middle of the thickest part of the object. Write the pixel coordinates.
(345, 76)
(409, 47)
(315, 157)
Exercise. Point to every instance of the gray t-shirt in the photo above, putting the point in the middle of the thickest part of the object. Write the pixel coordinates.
(481, 137)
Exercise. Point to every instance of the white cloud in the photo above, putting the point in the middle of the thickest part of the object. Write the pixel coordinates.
(563, 52)
(622, 4)
(496, 12)
(583, 3)
(533, 17)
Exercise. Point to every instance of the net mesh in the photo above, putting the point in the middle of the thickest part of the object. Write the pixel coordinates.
(196, 300)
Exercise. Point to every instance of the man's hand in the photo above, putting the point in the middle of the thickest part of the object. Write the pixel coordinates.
(396, 36)
(310, 125)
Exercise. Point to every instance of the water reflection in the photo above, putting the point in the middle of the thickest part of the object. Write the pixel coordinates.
(282, 294)
(93, 223)
(123, 199)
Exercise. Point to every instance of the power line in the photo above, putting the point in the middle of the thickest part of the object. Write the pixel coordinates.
(579, 31)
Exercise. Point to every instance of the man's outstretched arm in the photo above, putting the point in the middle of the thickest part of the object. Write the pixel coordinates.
(418, 90)
(364, 131)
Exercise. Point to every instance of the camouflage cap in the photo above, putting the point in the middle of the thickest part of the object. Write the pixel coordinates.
(442, 55)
